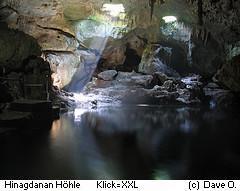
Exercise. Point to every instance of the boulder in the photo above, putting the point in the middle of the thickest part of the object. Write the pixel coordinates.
(124, 54)
(114, 54)
(143, 80)
(64, 65)
(134, 79)
(107, 75)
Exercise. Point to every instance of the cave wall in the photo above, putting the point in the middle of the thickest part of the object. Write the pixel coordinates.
(21, 67)
(16, 46)
(214, 24)
(221, 17)
(221, 21)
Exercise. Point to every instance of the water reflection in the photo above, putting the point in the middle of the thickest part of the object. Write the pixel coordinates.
(144, 142)
(56, 125)
(141, 142)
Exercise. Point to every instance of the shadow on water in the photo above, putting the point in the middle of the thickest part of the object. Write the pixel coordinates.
(127, 143)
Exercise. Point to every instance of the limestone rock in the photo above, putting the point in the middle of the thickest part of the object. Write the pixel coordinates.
(169, 85)
(133, 78)
(76, 10)
(161, 95)
(192, 82)
(16, 46)
(64, 65)
(207, 58)
(151, 62)
(144, 80)
(42, 20)
(219, 97)
(159, 78)
(107, 75)
(229, 74)
(36, 78)
(113, 54)
(135, 88)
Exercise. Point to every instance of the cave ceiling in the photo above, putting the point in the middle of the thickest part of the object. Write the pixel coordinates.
(52, 19)
(56, 25)
(40, 18)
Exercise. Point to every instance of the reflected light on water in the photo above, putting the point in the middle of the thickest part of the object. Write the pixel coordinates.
(78, 112)
(85, 101)
(55, 129)
(161, 175)
(93, 101)
(128, 142)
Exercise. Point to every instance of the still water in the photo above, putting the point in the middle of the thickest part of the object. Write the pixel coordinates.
(128, 142)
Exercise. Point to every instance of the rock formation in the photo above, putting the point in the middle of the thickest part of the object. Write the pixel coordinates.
(77, 35)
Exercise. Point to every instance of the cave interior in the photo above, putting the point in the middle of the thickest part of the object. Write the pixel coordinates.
(120, 89)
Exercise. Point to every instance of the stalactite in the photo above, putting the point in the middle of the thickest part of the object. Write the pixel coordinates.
(160, 2)
(206, 38)
(151, 4)
(200, 12)
(202, 34)
(230, 4)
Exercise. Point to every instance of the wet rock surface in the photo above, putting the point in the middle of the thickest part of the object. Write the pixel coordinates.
(156, 88)
(107, 75)
(136, 88)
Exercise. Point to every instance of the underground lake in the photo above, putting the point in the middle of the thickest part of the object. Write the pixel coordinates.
(119, 89)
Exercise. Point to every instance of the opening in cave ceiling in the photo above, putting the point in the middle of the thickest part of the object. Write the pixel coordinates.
(169, 19)
(113, 9)
(108, 22)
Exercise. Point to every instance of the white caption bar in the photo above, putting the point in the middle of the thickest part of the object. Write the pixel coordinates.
(119, 185)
